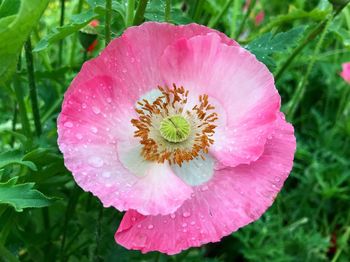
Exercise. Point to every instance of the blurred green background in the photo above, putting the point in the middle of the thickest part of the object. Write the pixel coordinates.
(44, 216)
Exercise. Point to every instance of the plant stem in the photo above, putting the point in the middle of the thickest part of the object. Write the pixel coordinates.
(108, 19)
(32, 87)
(250, 8)
(98, 233)
(300, 91)
(197, 9)
(167, 10)
(213, 22)
(20, 100)
(60, 47)
(236, 5)
(140, 12)
(130, 13)
(75, 37)
(73, 199)
(14, 121)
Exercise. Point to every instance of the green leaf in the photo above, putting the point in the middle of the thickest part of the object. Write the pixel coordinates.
(77, 22)
(15, 157)
(268, 44)
(22, 196)
(9, 7)
(14, 30)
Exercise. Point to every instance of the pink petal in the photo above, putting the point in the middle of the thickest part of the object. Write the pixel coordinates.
(233, 199)
(95, 119)
(134, 57)
(345, 74)
(240, 87)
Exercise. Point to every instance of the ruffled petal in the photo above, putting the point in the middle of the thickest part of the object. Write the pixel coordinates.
(94, 122)
(239, 86)
(232, 199)
(133, 58)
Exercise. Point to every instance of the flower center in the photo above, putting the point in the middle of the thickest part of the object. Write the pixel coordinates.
(168, 132)
(175, 128)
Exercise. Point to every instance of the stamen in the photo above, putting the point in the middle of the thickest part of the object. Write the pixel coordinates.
(168, 133)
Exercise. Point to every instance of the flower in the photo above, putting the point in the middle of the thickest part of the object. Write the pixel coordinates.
(345, 74)
(181, 128)
(259, 18)
(88, 36)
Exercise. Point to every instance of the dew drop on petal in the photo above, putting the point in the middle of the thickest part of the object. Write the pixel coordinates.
(83, 105)
(184, 225)
(186, 214)
(96, 110)
(96, 161)
(94, 129)
(68, 124)
(79, 136)
(106, 174)
(204, 188)
(172, 216)
(150, 226)
(109, 100)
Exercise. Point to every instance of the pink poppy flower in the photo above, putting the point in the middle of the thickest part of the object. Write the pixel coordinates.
(345, 73)
(181, 128)
(259, 18)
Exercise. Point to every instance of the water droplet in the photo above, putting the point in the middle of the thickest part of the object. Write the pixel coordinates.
(150, 226)
(172, 216)
(193, 223)
(204, 188)
(277, 179)
(184, 230)
(83, 105)
(124, 70)
(139, 226)
(109, 100)
(184, 225)
(79, 136)
(94, 129)
(96, 161)
(68, 124)
(106, 174)
(133, 218)
(96, 110)
(186, 214)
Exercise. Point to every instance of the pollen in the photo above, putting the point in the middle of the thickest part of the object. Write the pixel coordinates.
(169, 132)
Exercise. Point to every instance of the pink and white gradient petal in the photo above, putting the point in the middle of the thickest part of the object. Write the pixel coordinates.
(94, 120)
(134, 57)
(234, 198)
(240, 87)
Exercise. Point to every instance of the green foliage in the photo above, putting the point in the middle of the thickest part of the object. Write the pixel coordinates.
(18, 26)
(15, 157)
(22, 196)
(155, 12)
(267, 44)
(77, 22)
(309, 221)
